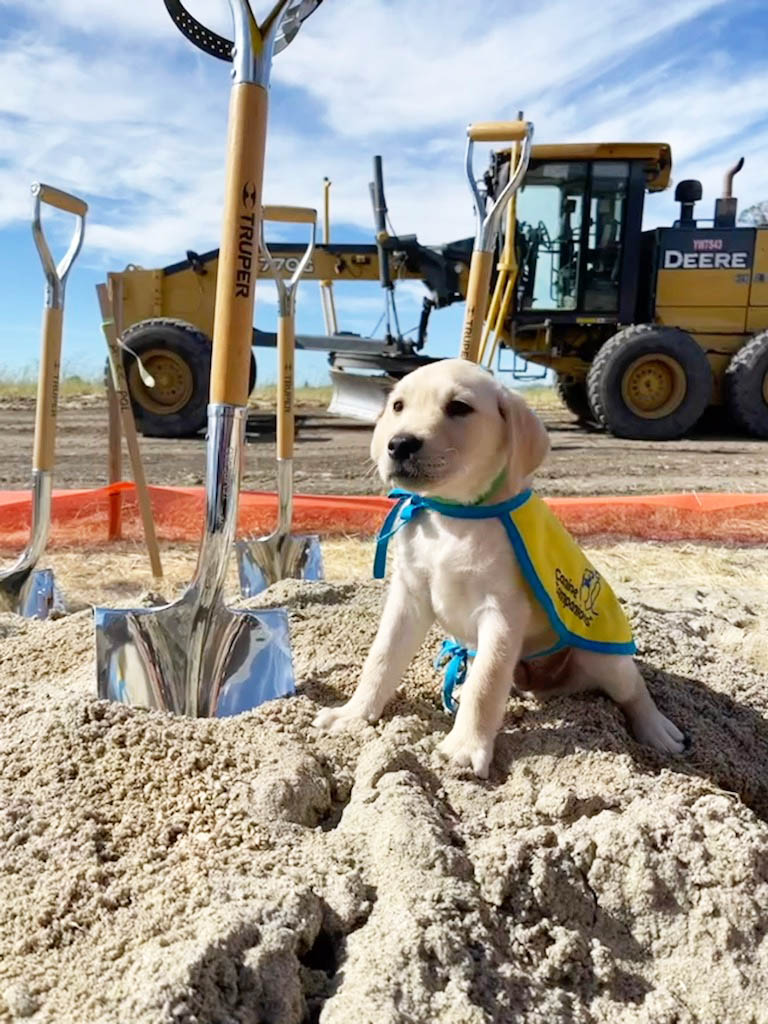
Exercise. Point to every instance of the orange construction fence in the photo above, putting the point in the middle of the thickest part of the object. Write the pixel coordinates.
(83, 517)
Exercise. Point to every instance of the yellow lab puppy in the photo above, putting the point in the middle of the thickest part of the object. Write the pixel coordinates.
(454, 436)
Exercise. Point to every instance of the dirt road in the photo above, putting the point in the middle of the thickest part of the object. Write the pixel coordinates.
(332, 457)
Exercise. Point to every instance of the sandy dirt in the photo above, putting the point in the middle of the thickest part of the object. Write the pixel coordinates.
(157, 870)
(331, 456)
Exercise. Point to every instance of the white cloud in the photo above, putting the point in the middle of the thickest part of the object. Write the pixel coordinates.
(140, 129)
(97, 17)
(384, 68)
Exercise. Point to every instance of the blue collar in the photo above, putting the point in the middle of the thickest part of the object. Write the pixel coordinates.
(409, 505)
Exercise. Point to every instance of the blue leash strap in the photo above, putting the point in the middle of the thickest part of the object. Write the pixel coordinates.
(405, 508)
(455, 657)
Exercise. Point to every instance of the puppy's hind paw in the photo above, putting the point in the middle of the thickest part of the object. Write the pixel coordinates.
(468, 751)
(345, 718)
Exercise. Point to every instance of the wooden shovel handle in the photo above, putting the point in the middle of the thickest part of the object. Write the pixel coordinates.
(286, 343)
(48, 389)
(478, 287)
(239, 249)
(497, 131)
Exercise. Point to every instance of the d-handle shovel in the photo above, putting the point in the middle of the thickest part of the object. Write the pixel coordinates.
(197, 657)
(23, 588)
(283, 555)
(488, 223)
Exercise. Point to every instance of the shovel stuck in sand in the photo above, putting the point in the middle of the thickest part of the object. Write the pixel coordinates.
(196, 656)
(283, 555)
(23, 588)
(488, 223)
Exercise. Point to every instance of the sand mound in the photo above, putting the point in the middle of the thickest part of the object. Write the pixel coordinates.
(160, 870)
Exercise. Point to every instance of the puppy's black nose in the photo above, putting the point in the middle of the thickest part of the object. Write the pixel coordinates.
(402, 445)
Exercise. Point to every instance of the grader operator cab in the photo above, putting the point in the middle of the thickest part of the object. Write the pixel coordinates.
(644, 330)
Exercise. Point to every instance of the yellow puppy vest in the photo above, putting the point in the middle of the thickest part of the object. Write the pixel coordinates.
(580, 605)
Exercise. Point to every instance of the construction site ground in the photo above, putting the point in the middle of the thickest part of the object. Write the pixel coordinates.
(332, 455)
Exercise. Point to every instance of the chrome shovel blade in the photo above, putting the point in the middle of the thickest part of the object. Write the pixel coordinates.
(33, 594)
(262, 562)
(212, 665)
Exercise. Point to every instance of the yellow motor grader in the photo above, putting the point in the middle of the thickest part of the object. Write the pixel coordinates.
(644, 330)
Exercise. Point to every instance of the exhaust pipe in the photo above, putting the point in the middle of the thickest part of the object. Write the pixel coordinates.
(726, 206)
(729, 176)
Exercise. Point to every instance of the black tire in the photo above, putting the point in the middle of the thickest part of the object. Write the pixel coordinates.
(746, 386)
(178, 355)
(679, 358)
(573, 394)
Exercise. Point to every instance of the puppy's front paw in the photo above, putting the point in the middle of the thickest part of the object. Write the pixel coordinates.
(468, 750)
(346, 717)
(654, 729)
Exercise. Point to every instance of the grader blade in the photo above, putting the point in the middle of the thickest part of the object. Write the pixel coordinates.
(359, 396)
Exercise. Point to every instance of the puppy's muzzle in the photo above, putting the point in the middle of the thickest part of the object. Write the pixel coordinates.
(403, 446)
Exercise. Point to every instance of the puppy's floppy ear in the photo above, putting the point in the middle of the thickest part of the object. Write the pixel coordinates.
(527, 439)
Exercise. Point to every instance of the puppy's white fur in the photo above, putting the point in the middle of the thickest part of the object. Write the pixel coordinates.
(463, 573)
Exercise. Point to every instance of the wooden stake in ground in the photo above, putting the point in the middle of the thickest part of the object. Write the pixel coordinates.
(115, 462)
(120, 385)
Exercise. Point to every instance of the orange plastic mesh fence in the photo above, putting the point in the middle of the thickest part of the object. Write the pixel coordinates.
(82, 517)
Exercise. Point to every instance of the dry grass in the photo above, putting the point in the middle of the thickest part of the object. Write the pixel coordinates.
(541, 398)
(638, 562)
(22, 384)
(124, 568)
(307, 397)
(729, 583)
(718, 592)
(650, 563)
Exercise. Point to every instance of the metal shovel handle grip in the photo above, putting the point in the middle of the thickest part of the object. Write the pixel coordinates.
(56, 276)
(498, 131)
(53, 314)
(290, 12)
(489, 217)
(204, 39)
(488, 223)
(286, 324)
(290, 214)
(286, 288)
(61, 200)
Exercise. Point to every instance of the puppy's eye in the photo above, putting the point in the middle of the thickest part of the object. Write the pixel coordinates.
(457, 408)
(397, 405)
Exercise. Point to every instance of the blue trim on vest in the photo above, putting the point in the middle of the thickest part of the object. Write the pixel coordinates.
(567, 639)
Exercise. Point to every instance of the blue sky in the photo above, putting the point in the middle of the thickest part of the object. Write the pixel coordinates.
(118, 108)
